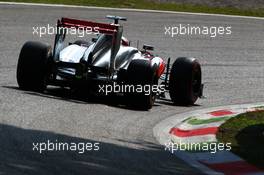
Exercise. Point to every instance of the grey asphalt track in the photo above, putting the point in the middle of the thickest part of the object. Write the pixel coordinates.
(233, 73)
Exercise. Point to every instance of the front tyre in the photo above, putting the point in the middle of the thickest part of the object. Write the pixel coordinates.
(32, 67)
(185, 81)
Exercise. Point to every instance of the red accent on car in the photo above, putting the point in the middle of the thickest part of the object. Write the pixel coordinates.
(125, 42)
(96, 27)
(161, 68)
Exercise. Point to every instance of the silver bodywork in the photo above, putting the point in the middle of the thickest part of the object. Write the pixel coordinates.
(74, 53)
(101, 56)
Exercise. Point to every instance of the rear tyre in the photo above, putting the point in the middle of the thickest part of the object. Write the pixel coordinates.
(140, 73)
(185, 81)
(32, 67)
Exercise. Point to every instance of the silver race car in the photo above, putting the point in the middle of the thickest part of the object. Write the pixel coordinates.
(107, 64)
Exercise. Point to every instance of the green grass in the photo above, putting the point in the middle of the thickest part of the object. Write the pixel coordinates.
(246, 134)
(145, 4)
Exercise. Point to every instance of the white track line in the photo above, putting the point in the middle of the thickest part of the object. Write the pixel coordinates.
(129, 9)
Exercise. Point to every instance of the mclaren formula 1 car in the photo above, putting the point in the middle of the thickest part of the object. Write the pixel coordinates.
(107, 61)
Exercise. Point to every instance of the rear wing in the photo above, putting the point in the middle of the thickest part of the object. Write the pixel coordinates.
(115, 30)
(95, 27)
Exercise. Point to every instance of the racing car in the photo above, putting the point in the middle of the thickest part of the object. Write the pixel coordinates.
(105, 60)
